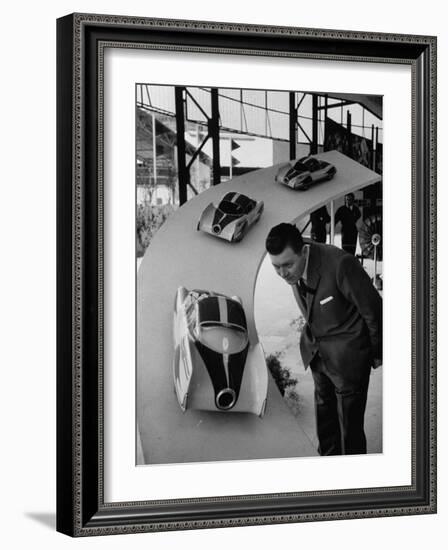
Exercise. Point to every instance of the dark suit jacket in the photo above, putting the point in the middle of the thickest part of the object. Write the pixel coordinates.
(343, 316)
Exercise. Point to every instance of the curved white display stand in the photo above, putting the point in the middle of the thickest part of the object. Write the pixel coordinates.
(179, 255)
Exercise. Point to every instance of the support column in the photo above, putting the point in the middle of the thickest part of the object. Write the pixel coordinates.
(315, 139)
(213, 129)
(332, 222)
(292, 125)
(183, 173)
(349, 134)
(373, 148)
(154, 149)
(325, 119)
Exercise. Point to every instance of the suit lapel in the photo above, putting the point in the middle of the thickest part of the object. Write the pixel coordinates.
(313, 275)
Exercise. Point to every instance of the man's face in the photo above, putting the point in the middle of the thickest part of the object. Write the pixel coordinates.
(349, 200)
(289, 265)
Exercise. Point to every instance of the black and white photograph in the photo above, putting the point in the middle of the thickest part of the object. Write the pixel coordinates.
(223, 285)
(259, 273)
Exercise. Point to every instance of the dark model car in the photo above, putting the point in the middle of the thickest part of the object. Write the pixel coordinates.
(304, 172)
(232, 217)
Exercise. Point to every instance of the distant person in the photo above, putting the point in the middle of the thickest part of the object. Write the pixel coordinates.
(319, 219)
(342, 337)
(348, 215)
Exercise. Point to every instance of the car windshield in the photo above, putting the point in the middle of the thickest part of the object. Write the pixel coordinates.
(191, 317)
(231, 208)
(300, 167)
(312, 164)
(223, 338)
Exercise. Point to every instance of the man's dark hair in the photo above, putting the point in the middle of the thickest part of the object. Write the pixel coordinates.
(281, 236)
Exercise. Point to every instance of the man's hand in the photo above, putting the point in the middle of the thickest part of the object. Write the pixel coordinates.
(377, 363)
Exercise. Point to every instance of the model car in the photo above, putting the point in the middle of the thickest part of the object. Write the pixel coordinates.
(215, 368)
(304, 172)
(232, 217)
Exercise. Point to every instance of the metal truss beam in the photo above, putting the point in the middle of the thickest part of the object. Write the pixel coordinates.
(315, 139)
(183, 167)
(334, 105)
(213, 130)
(182, 171)
(292, 125)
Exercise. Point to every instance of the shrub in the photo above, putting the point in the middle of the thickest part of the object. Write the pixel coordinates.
(281, 375)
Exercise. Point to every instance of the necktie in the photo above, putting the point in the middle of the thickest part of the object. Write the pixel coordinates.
(305, 289)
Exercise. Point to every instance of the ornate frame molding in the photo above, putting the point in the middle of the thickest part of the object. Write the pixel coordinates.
(82, 39)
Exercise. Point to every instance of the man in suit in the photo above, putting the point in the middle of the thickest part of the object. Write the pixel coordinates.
(342, 337)
(348, 215)
(319, 219)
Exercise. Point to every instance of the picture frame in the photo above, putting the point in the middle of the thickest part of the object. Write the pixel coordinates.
(81, 506)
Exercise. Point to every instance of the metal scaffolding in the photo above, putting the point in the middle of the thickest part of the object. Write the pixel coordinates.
(292, 117)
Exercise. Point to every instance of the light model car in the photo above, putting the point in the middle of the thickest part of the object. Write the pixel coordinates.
(304, 172)
(232, 218)
(215, 368)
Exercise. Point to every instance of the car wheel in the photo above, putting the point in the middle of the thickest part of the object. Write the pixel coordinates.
(306, 184)
(241, 234)
(176, 367)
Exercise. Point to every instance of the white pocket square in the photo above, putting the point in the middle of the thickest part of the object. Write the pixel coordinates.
(326, 300)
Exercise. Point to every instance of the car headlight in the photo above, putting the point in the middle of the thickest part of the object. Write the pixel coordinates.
(226, 399)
